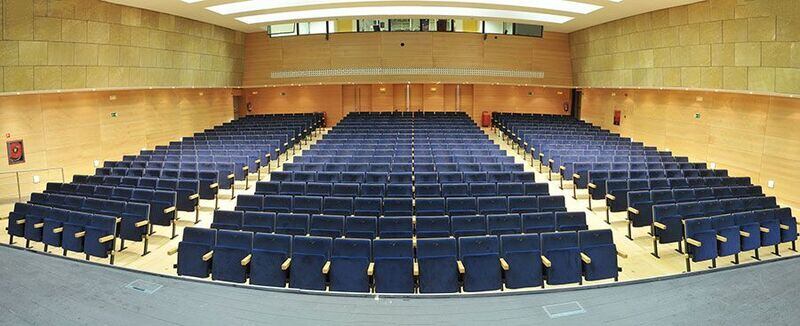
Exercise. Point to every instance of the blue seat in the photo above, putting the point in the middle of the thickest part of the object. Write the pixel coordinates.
(54, 220)
(669, 228)
(599, 246)
(526, 177)
(345, 190)
(328, 177)
(395, 227)
(522, 254)
(398, 207)
(309, 255)
(327, 226)
(510, 189)
(305, 176)
(293, 188)
(523, 204)
(749, 225)
(438, 270)
(269, 254)
(196, 243)
(571, 221)
(259, 222)
(498, 224)
(377, 177)
(498, 177)
(337, 206)
(401, 177)
(432, 226)
(318, 189)
(473, 225)
(277, 204)
(430, 206)
(349, 263)
(450, 177)
(307, 204)
(725, 226)
(462, 206)
(426, 178)
(640, 212)
(788, 225)
(537, 189)
(365, 206)
(427, 190)
(455, 190)
(480, 257)
(230, 249)
(701, 240)
(98, 228)
(473, 177)
(492, 205)
(75, 224)
(394, 263)
(363, 227)
(551, 204)
(399, 190)
(768, 221)
(227, 220)
(353, 177)
(562, 251)
(483, 189)
(291, 223)
(538, 222)
(373, 190)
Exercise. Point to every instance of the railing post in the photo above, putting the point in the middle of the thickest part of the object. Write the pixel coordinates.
(19, 187)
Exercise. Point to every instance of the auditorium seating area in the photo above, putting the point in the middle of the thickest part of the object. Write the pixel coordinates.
(686, 203)
(424, 193)
(125, 199)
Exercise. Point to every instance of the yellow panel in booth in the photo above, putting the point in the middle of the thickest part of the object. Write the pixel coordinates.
(471, 25)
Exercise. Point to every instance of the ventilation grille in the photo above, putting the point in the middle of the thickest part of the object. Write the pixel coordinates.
(406, 72)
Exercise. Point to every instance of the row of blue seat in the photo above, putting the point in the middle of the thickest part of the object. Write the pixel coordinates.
(370, 227)
(187, 191)
(401, 177)
(445, 265)
(338, 189)
(400, 206)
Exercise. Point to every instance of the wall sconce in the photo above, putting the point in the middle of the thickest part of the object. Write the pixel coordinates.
(433, 89)
(382, 89)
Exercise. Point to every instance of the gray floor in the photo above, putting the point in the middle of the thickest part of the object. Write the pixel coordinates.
(38, 289)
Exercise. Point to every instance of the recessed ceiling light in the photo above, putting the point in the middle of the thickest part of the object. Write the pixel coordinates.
(254, 5)
(191, 1)
(402, 11)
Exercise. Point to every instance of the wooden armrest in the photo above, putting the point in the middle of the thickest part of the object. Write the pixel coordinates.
(551, 161)
(172, 251)
(784, 227)
(286, 264)
(208, 255)
(744, 234)
(119, 220)
(592, 185)
(622, 254)
(169, 209)
(327, 267)
(504, 264)
(562, 168)
(694, 242)
(611, 197)
(541, 154)
(546, 262)
(764, 230)
(106, 238)
(231, 176)
(370, 269)
(193, 197)
(416, 269)
(659, 225)
(214, 185)
(246, 168)
(58, 230)
(461, 269)
(141, 223)
(286, 144)
(633, 210)
(80, 234)
(246, 259)
(38, 225)
(721, 238)
(576, 176)
(586, 258)
(258, 161)
(20, 222)
(525, 144)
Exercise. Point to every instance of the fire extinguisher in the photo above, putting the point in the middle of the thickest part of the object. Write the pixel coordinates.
(566, 107)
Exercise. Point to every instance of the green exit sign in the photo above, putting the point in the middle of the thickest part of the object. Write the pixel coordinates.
(697, 115)
(113, 114)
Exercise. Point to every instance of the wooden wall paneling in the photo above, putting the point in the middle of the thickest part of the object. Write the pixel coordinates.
(406, 49)
(417, 96)
(457, 50)
(382, 97)
(262, 56)
(355, 50)
(399, 96)
(290, 99)
(551, 55)
(306, 52)
(508, 52)
(433, 97)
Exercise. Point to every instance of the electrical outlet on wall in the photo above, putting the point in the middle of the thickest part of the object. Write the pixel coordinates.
(771, 184)
(712, 165)
(96, 163)
(37, 179)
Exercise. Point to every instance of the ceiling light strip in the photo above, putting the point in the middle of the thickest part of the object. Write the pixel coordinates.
(405, 12)
(347, 72)
(255, 5)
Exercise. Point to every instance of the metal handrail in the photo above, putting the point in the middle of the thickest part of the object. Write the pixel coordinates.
(19, 185)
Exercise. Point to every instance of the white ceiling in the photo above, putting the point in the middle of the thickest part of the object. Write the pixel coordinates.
(610, 10)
